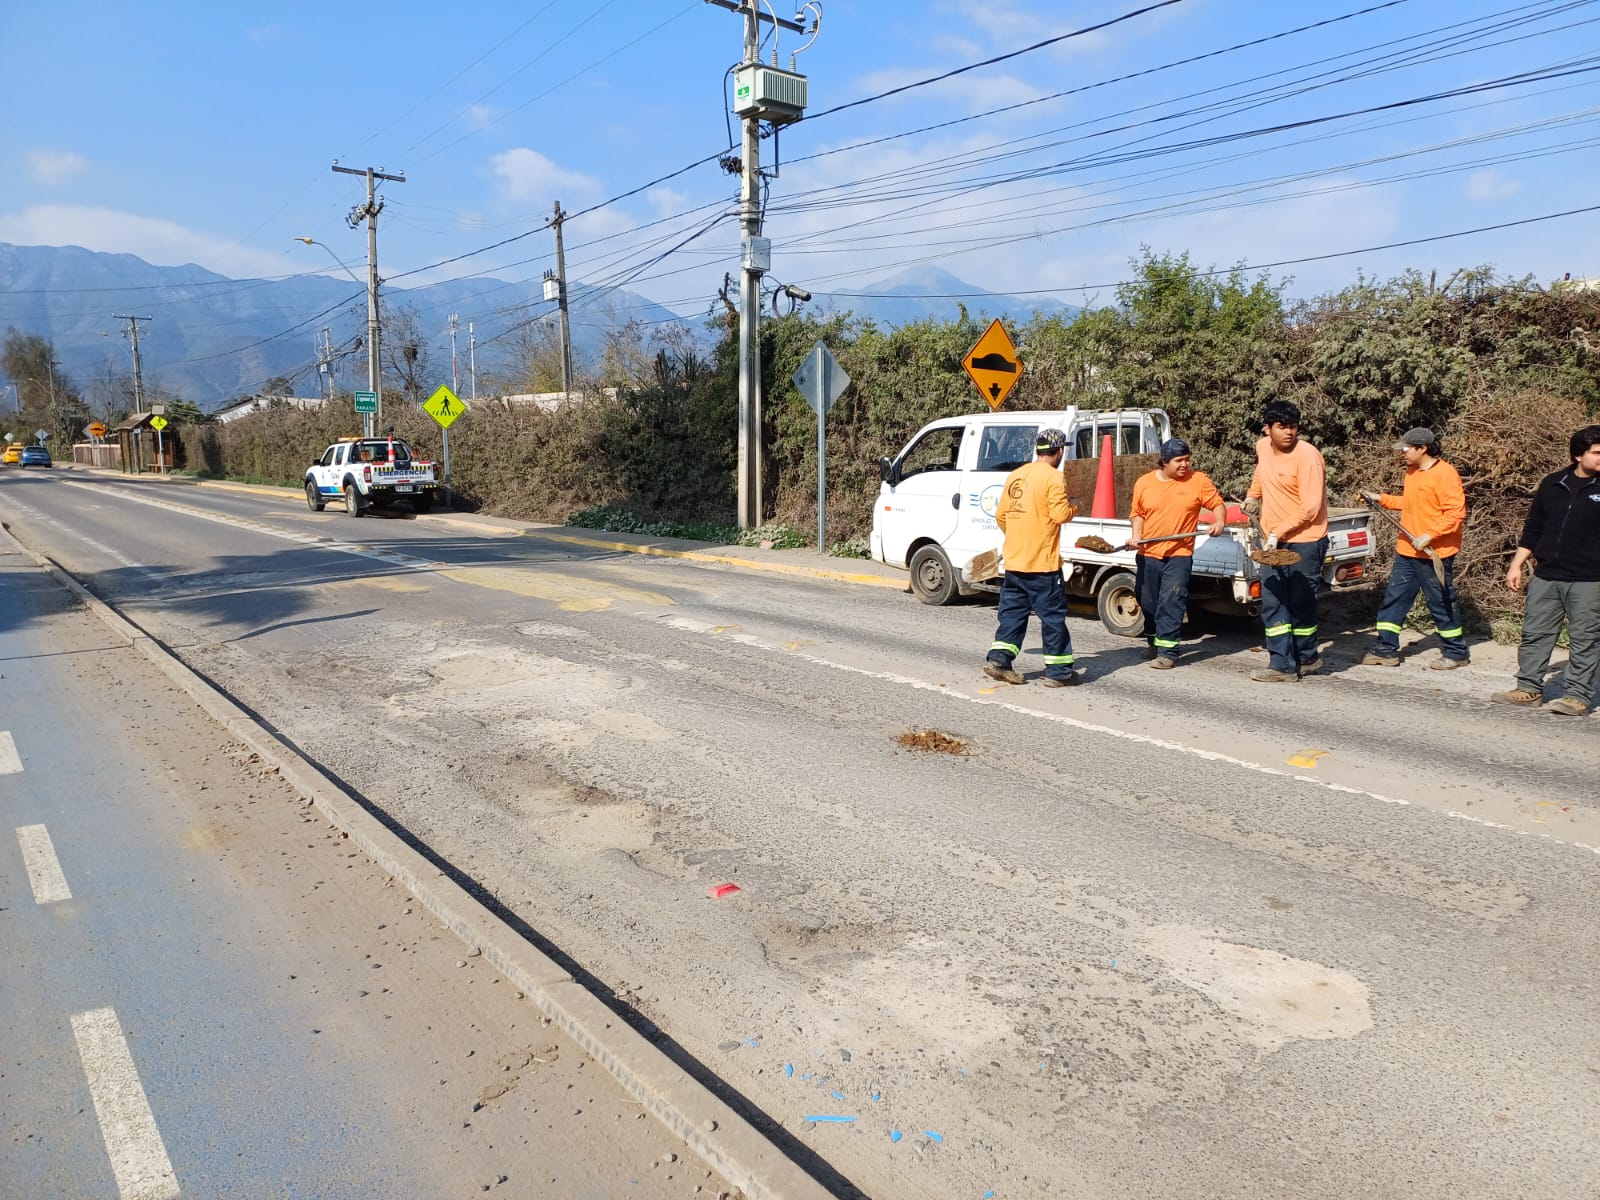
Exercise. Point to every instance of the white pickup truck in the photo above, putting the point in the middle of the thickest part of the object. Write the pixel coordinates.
(937, 499)
(363, 472)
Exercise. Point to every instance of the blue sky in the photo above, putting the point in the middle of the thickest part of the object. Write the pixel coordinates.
(189, 132)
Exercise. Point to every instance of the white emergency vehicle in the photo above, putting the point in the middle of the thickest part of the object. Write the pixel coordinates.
(362, 472)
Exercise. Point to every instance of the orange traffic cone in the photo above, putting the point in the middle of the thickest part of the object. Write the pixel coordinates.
(1105, 484)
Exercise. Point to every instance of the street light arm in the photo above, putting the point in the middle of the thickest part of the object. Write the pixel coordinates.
(332, 255)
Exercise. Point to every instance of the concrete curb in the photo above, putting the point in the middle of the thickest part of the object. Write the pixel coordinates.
(728, 1143)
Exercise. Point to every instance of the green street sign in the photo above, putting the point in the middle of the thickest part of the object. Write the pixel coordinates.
(366, 402)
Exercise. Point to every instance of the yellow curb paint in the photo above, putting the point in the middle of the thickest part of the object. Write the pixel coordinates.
(1307, 758)
(727, 559)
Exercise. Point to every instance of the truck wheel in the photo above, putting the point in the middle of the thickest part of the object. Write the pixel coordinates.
(933, 579)
(352, 501)
(313, 497)
(422, 503)
(1117, 602)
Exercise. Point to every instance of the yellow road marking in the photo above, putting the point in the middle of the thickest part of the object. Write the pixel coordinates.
(572, 592)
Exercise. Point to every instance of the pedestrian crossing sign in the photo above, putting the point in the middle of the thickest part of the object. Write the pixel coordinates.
(444, 406)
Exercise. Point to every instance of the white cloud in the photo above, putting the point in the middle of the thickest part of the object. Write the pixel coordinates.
(51, 167)
(667, 201)
(480, 116)
(273, 35)
(1491, 185)
(165, 243)
(526, 175)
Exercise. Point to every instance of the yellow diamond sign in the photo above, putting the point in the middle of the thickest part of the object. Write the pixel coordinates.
(158, 422)
(993, 364)
(444, 406)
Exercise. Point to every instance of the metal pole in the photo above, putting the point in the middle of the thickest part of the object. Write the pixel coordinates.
(561, 302)
(161, 452)
(750, 301)
(822, 481)
(455, 383)
(472, 359)
(447, 468)
(374, 370)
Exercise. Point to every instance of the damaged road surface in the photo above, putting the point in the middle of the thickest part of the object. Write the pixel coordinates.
(1161, 934)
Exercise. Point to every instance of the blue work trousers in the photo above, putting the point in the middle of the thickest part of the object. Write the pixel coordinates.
(1041, 593)
(1289, 606)
(1162, 585)
(1407, 577)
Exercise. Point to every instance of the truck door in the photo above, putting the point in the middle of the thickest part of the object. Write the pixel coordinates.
(1001, 449)
(926, 502)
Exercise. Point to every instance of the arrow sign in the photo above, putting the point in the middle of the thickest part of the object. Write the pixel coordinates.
(821, 379)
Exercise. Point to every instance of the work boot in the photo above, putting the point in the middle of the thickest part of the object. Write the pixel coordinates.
(1004, 674)
(1312, 667)
(1447, 664)
(1374, 659)
(1162, 663)
(1517, 696)
(1271, 676)
(1567, 706)
(1057, 681)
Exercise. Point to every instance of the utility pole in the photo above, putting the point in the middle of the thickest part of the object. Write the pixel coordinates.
(561, 303)
(777, 97)
(455, 383)
(138, 370)
(369, 211)
(472, 360)
(325, 362)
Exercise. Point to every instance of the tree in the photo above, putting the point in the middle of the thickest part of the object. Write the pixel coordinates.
(404, 355)
(46, 395)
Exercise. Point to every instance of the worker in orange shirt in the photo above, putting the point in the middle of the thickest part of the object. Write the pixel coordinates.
(1033, 508)
(1433, 509)
(1166, 501)
(1289, 492)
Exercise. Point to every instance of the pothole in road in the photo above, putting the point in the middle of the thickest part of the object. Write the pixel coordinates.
(934, 742)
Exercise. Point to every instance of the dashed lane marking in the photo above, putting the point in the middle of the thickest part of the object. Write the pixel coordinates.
(127, 1126)
(44, 869)
(726, 633)
(10, 761)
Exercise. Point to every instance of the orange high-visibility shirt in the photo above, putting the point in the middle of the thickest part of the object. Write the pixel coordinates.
(1293, 491)
(1172, 506)
(1033, 508)
(1432, 502)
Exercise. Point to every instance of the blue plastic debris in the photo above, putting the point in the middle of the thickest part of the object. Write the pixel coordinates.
(934, 1137)
(989, 1195)
(876, 1097)
(838, 1095)
(751, 1041)
(807, 1075)
(895, 1135)
(788, 1069)
(832, 1120)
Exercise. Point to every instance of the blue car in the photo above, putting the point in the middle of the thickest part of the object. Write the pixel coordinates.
(35, 456)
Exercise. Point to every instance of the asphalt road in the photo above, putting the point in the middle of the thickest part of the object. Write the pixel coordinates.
(1164, 934)
(207, 994)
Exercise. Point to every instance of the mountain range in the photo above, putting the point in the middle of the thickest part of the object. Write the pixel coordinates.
(211, 338)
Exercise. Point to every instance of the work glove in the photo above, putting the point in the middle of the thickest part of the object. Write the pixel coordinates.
(1272, 541)
(1372, 498)
(1422, 543)
(1252, 506)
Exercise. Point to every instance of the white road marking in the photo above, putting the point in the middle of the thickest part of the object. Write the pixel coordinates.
(44, 869)
(115, 555)
(690, 625)
(133, 1143)
(10, 762)
(388, 557)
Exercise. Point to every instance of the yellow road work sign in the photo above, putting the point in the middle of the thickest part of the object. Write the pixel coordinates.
(993, 364)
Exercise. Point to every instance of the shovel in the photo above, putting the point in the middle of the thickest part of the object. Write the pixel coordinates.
(1438, 563)
(1268, 558)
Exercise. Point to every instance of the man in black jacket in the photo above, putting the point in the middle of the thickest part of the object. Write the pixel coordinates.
(1562, 536)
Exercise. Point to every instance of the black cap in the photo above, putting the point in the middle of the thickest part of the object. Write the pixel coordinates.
(1420, 436)
(1173, 448)
(1050, 440)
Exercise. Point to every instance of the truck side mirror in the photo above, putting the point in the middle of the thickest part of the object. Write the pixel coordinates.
(888, 472)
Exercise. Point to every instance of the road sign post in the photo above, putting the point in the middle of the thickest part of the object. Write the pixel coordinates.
(444, 406)
(993, 365)
(158, 423)
(821, 381)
